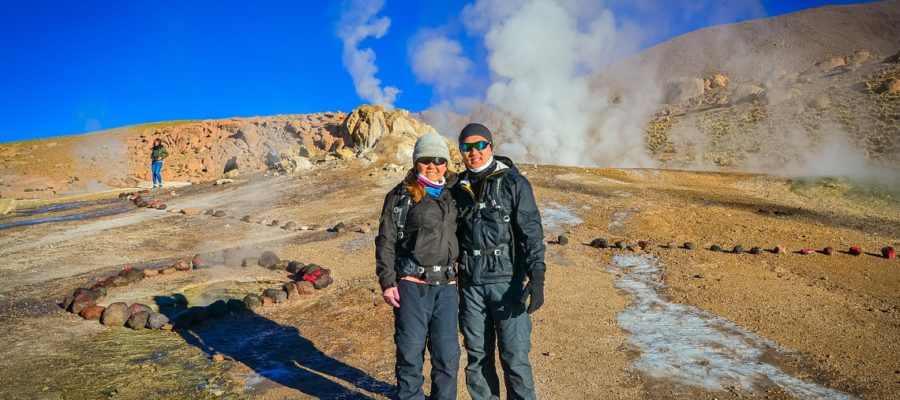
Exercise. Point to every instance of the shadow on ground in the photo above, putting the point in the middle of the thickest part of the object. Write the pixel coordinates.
(278, 353)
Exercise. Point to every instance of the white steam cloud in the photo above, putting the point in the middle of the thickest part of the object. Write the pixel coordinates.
(358, 22)
(541, 55)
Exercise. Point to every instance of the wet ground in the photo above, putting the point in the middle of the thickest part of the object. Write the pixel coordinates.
(617, 324)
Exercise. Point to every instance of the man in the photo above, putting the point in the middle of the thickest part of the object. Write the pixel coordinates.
(157, 155)
(501, 244)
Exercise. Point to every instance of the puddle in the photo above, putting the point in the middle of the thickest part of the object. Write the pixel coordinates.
(692, 347)
(619, 217)
(69, 217)
(555, 215)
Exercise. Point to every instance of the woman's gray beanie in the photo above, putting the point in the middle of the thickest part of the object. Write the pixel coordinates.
(431, 145)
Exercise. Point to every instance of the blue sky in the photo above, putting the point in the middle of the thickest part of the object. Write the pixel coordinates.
(73, 67)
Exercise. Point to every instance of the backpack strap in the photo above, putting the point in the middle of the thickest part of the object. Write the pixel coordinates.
(401, 210)
(496, 201)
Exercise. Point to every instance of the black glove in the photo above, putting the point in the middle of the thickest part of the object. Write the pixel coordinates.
(535, 289)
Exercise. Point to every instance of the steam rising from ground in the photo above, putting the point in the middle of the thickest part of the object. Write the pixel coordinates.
(358, 22)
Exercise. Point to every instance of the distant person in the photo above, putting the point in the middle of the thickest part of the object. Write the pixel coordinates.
(415, 254)
(157, 155)
(501, 244)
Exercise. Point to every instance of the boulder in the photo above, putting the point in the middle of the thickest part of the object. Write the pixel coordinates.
(277, 295)
(92, 313)
(681, 89)
(116, 314)
(156, 320)
(252, 302)
(324, 280)
(138, 321)
(268, 259)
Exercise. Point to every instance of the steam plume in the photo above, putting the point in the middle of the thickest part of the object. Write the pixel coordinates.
(358, 22)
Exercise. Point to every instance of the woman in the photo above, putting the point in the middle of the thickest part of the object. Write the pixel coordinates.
(415, 253)
(157, 155)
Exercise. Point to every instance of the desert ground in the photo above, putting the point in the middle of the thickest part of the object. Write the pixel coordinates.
(617, 323)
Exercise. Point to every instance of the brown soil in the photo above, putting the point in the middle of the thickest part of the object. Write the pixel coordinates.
(835, 317)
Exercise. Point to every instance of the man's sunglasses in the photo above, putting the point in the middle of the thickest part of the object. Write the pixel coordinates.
(466, 147)
(432, 160)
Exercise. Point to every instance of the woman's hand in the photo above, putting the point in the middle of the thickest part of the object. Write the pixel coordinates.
(392, 296)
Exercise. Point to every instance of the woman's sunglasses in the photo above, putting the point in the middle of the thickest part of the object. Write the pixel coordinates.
(432, 160)
(466, 147)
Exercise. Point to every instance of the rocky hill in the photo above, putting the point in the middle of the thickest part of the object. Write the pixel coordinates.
(204, 150)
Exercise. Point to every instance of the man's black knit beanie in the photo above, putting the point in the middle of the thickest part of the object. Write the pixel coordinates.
(474, 129)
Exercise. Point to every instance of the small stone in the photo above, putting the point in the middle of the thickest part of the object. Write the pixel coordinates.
(218, 309)
(138, 307)
(116, 314)
(167, 326)
(277, 295)
(807, 251)
(889, 253)
(92, 313)
(223, 181)
(162, 207)
(715, 247)
(132, 275)
(562, 240)
(688, 246)
(339, 227)
(755, 250)
(306, 288)
(644, 244)
(157, 320)
(246, 218)
(190, 211)
(218, 357)
(274, 222)
(599, 243)
(267, 301)
(252, 302)
(291, 225)
(197, 262)
(182, 265)
(151, 272)
(219, 214)
(116, 281)
(362, 229)
(249, 262)
(324, 280)
(737, 249)
(268, 259)
(620, 244)
(81, 302)
(167, 271)
(779, 249)
(828, 251)
(209, 212)
(138, 321)
(295, 267)
(291, 289)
